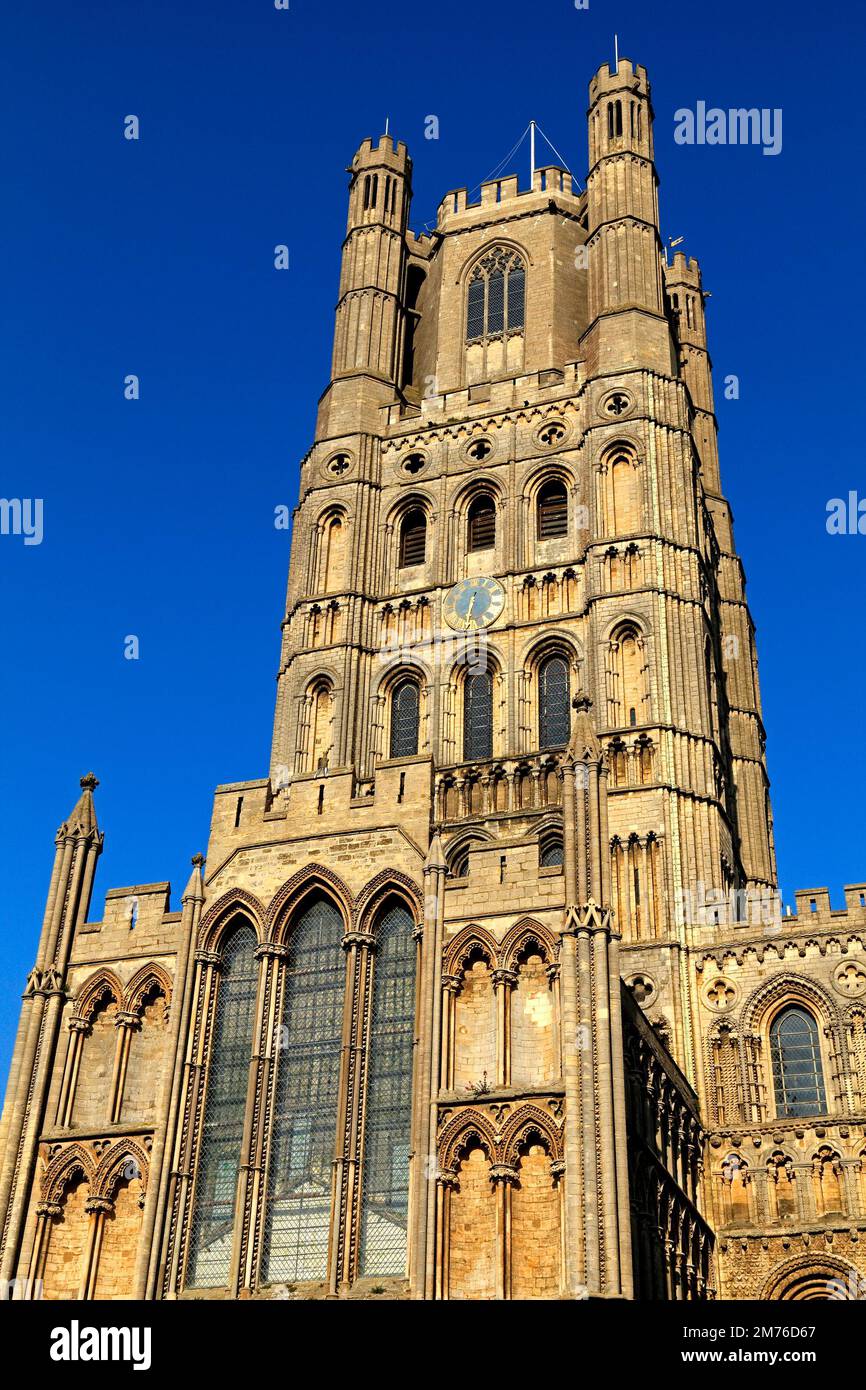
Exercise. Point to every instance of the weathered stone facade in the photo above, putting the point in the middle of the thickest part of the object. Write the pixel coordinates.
(460, 1008)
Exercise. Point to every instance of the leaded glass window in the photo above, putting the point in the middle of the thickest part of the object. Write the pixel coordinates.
(385, 1177)
(404, 720)
(554, 718)
(305, 1103)
(478, 716)
(496, 300)
(797, 1073)
(551, 852)
(225, 1104)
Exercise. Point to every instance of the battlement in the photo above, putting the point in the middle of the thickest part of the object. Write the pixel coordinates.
(626, 78)
(382, 155)
(683, 271)
(813, 904)
(551, 181)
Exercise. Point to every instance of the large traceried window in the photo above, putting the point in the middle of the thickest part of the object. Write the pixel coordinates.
(496, 314)
(497, 292)
(404, 720)
(798, 1079)
(385, 1179)
(554, 715)
(305, 1105)
(222, 1131)
(478, 716)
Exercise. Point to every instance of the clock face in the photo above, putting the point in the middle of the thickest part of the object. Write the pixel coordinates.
(473, 603)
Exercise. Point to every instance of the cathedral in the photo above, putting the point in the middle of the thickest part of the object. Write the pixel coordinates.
(485, 990)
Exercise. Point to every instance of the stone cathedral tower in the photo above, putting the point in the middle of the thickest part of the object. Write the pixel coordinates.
(484, 992)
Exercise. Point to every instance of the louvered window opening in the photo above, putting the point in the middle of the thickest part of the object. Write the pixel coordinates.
(552, 512)
(413, 539)
(385, 1175)
(300, 1173)
(482, 524)
(212, 1223)
(404, 720)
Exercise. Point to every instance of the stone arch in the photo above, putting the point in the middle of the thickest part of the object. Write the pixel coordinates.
(528, 1124)
(476, 257)
(461, 947)
(524, 933)
(784, 988)
(111, 1167)
(312, 878)
(814, 1276)
(72, 1161)
(143, 982)
(219, 916)
(388, 884)
(468, 1128)
(460, 845)
(94, 990)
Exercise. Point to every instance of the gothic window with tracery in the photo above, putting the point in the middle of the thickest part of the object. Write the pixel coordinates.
(222, 1130)
(798, 1079)
(496, 301)
(300, 1173)
(385, 1179)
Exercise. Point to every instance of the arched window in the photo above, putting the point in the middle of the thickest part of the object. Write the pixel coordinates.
(404, 720)
(305, 1103)
(497, 293)
(550, 852)
(321, 728)
(334, 554)
(478, 716)
(413, 538)
(552, 511)
(481, 528)
(797, 1074)
(222, 1130)
(388, 1110)
(554, 716)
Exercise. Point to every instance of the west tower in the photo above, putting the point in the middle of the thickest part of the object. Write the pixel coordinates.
(460, 1007)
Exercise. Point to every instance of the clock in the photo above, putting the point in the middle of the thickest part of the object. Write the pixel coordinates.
(473, 604)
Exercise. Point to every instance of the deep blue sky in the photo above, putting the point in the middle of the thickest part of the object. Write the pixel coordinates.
(156, 258)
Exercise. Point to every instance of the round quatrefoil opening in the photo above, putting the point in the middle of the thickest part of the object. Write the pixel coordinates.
(616, 405)
(414, 463)
(338, 465)
(552, 433)
(720, 995)
(477, 450)
(849, 979)
(643, 987)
